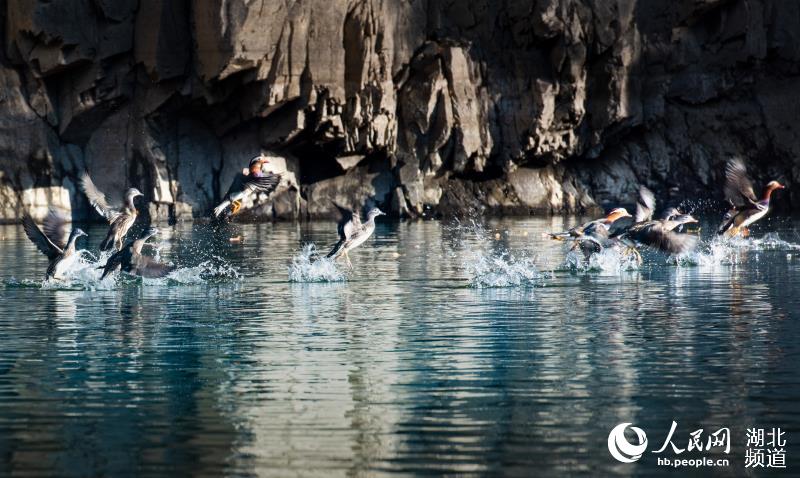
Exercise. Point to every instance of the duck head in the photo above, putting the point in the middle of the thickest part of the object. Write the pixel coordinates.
(255, 165)
(772, 186)
(131, 194)
(374, 212)
(615, 214)
(76, 233)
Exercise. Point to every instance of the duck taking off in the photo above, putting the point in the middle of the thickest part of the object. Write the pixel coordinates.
(745, 207)
(352, 232)
(253, 181)
(53, 242)
(595, 230)
(656, 233)
(660, 234)
(119, 216)
(131, 260)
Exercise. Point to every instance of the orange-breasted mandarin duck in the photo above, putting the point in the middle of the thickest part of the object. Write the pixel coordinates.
(254, 180)
(745, 207)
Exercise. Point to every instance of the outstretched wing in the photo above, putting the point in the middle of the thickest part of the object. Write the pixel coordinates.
(738, 187)
(55, 228)
(39, 239)
(98, 200)
(645, 205)
(261, 184)
(349, 223)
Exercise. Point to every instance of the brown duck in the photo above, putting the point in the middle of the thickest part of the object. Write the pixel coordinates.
(119, 216)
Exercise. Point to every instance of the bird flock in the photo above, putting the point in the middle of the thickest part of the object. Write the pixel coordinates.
(618, 229)
(621, 230)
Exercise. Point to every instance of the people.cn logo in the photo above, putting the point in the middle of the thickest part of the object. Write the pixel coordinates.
(621, 449)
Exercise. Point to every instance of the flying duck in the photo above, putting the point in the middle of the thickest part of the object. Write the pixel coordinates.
(352, 232)
(119, 216)
(253, 180)
(131, 260)
(54, 243)
(745, 208)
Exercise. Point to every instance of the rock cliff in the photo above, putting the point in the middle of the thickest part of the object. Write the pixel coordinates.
(422, 107)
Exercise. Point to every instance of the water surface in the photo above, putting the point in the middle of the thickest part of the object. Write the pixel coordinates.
(413, 362)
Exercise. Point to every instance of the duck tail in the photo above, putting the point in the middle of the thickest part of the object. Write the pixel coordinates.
(336, 250)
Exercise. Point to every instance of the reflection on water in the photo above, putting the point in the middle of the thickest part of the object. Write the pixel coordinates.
(403, 366)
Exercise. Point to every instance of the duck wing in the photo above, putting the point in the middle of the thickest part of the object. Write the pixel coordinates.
(150, 268)
(116, 261)
(595, 231)
(645, 205)
(653, 234)
(98, 200)
(621, 225)
(262, 184)
(349, 224)
(247, 183)
(39, 239)
(55, 228)
(738, 187)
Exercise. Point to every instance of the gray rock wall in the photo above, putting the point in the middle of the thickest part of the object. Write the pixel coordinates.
(422, 107)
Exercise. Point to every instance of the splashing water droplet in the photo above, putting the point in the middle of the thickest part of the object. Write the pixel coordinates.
(307, 266)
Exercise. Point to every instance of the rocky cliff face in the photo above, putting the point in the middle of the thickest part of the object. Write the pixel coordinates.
(419, 106)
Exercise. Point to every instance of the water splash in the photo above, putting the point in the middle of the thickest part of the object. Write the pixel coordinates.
(724, 251)
(83, 271)
(609, 260)
(308, 266)
(502, 270)
(487, 262)
(773, 242)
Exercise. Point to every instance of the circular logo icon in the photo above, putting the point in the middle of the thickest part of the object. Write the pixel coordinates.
(621, 449)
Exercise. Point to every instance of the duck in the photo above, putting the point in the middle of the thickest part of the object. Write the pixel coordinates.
(597, 229)
(658, 233)
(597, 235)
(131, 260)
(352, 232)
(53, 242)
(251, 180)
(120, 217)
(745, 209)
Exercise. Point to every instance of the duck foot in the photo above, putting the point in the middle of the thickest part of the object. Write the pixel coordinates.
(636, 254)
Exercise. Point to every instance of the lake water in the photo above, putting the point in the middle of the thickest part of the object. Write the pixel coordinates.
(447, 348)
